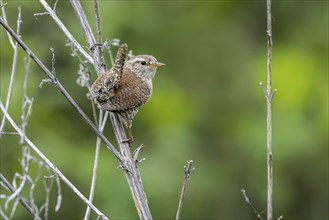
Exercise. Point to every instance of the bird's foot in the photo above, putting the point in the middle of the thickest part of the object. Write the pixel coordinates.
(128, 141)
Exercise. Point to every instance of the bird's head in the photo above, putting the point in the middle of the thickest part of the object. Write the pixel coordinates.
(143, 65)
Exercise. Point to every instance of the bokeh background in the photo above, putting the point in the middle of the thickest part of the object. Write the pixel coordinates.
(207, 106)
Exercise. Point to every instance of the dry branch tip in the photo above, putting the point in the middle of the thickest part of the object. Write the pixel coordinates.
(136, 152)
(263, 87)
(188, 169)
(273, 93)
(46, 81)
(247, 200)
(53, 10)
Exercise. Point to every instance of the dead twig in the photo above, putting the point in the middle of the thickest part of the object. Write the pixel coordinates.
(187, 170)
(14, 65)
(59, 86)
(89, 35)
(247, 200)
(49, 163)
(7, 185)
(52, 13)
(127, 164)
(101, 123)
(269, 97)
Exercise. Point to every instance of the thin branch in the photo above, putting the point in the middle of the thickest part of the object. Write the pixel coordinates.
(5, 19)
(269, 113)
(47, 183)
(59, 194)
(23, 179)
(100, 51)
(10, 133)
(59, 86)
(6, 183)
(131, 170)
(128, 164)
(247, 200)
(136, 153)
(60, 24)
(26, 101)
(89, 35)
(13, 68)
(49, 163)
(101, 127)
(101, 123)
(187, 170)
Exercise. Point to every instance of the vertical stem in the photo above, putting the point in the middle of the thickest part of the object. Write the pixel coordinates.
(131, 171)
(187, 169)
(14, 65)
(89, 35)
(101, 113)
(128, 164)
(269, 97)
(95, 168)
(99, 37)
(269, 160)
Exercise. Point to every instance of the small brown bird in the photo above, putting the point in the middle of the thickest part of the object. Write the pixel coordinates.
(126, 86)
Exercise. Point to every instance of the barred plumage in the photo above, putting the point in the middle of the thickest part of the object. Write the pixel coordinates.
(126, 86)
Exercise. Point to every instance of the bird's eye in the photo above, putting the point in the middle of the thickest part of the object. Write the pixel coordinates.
(143, 63)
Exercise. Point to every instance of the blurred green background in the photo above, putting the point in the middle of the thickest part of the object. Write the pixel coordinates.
(207, 106)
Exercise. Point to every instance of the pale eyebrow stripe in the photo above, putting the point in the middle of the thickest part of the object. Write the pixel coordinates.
(137, 59)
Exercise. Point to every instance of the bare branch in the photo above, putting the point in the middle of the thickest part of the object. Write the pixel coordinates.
(264, 88)
(136, 152)
(247, 200)
(59, 86)
(187, 170)
(23, 179)
(53, 70)
(47, 183)
(13, 68)
(273, 93)
(101, 123)
(7, 184)
(49, 163)
(26, 101)
(269, 113)
(5, 19)
(59, 194)
(131, 170)
(10, 133)
(100, 51)
(101, 127)
(60, 24)
(89, 35)
(128, 164)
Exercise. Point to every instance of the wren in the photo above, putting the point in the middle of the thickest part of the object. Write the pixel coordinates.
(126, 86)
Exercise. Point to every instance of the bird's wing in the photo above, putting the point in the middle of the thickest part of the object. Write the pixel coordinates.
(106, 84)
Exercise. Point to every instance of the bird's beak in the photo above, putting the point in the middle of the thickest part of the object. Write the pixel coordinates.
(157, 64)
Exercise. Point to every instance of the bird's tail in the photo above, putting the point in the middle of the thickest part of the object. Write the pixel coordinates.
(120, 59)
